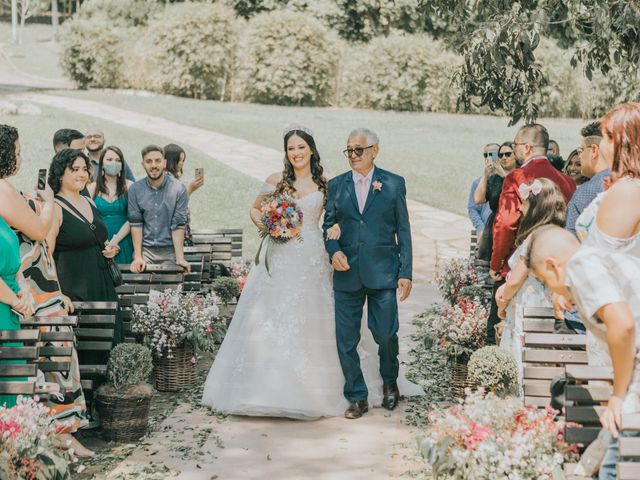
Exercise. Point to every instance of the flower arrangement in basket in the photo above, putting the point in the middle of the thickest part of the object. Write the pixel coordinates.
(488, 437)
(453, 276)
(27, 443)
(124, 402)
(174, 324)
(240, 271)
(282, 221)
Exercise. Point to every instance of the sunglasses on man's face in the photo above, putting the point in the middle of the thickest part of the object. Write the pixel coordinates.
(505, 154)
(358, 151)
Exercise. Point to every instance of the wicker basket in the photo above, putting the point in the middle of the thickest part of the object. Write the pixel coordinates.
(175, 373)
(459, 379)
(124, 416)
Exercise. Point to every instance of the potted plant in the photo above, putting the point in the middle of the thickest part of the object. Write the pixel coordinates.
(494, 369)
(489, 437)
(28, 443)
(227, 290)
(458, 331)
(124, 401)
(174, 325)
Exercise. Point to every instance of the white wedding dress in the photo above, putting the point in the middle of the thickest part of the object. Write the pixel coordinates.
(279, 357)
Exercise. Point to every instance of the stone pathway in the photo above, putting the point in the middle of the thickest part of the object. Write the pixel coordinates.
(198, 446)
(437, 234)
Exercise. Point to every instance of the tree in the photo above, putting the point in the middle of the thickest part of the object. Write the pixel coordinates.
(499, 40)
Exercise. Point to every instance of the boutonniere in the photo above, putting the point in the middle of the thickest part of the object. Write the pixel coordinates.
(377, 185)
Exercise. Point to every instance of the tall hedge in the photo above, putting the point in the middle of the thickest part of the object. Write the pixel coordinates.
(398, 72)
(192, 48)
(92, 54)
(288, 58)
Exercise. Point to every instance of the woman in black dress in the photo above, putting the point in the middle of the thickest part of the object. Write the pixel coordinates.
(79, 235)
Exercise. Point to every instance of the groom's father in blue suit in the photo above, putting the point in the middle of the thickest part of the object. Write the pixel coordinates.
(372, 259)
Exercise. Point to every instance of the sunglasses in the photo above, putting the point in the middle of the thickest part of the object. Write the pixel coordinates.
(489, 154)
(358, 151)
(505, 154)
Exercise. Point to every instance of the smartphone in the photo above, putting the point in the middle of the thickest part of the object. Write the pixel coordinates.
(42, 179)
(199, 172)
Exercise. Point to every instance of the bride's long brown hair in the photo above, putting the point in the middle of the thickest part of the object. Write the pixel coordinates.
(289, 174)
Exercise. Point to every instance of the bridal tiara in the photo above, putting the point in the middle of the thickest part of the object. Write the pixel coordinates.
(298, 127)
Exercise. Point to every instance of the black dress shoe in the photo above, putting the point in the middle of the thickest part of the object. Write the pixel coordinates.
(390, 396)
(356, 409)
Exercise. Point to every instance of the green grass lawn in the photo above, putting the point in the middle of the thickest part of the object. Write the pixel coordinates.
(222, 202)
(38, 54)
(438, 154)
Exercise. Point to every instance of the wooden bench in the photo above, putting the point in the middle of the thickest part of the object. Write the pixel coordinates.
(158, 277)
(94, 333)
(584, 402)
(200, 257)
(215, 237)
(473, 244)
(127, 304)
(23, 348)
(629, 449)
(53, 330)
(546, 353)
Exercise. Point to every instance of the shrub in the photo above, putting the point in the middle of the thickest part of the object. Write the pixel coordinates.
(121, 12)
(399, 72)
(92, 53)
(454, 275)
(129, 364)
(289, 60)
(226, 289)
(494, 369)
(192, 50)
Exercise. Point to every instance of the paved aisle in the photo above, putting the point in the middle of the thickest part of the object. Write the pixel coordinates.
(375, 447)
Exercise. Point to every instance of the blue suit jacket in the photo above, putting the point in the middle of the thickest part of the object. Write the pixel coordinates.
(377, 241)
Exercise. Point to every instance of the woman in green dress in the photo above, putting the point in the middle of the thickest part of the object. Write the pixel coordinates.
(109, 192)
(14, 212)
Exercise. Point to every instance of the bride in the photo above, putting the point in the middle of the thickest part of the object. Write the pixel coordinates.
(279, 357)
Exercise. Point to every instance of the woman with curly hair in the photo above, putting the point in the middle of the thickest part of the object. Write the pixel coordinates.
(79, 237)
(14, 213)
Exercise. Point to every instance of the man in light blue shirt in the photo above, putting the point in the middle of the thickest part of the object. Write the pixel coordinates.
(479, 212)
(158, 206)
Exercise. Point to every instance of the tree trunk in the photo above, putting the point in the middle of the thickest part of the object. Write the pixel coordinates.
(14, 21)
(55, 22)
(24, 14)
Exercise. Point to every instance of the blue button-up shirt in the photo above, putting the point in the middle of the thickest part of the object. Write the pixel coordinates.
(159, 211)
(478, 212)
(583, 196)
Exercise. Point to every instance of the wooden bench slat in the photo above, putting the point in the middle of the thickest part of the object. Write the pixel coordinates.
(96, 305)
(70, 321)
(588, 393)
(555, 340)
(87, 384)
(18, 370)
(54, 366)
(542, 373)
(584, 435)
(628, 471)
(96, 346)
(542, 312)
(19, 353)
(584, 372)
(584, 415)
(629, 446)
(537, 388)
(554, 356)
(19, 335)
(17, 388)
(631, 422)
(97, 319)
(57, 336)
(93, 369)
(51, 351)
(94, 333)
(539, 325)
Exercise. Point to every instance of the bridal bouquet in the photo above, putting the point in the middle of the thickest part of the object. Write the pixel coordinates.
(488, 437)
(282, 221)
(172, 318)
(27, 449)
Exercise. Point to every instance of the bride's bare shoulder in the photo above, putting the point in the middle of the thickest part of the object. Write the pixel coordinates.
(274, 179)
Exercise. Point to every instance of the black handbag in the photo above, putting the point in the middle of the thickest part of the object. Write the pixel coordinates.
(112, 268)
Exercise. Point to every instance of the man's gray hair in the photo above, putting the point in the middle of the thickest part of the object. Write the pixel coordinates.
(372, 138)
